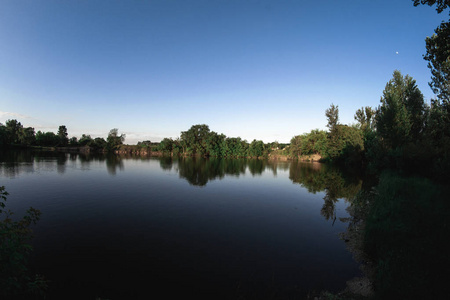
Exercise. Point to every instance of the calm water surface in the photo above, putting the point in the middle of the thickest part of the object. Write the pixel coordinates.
(133, 228)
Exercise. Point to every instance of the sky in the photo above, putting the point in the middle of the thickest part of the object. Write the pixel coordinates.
(264, 70)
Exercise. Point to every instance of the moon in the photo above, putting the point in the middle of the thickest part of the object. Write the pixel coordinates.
(396, 52)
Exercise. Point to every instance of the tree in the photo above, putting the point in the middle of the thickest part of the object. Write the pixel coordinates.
(73, 141)
(256, 148)
(332, 115)
(62, 135)
(195, 139)
(400, 117)
(27, 136)
(166, 145)
(346, 145)
(438, 57)
(441, 4)
(114, 140)
(85, 140)
(48, 139)
(366, 118)
(13, 128)
(3, 135)
(214, 144)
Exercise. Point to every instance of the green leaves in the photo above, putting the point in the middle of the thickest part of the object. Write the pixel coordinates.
(14, 251)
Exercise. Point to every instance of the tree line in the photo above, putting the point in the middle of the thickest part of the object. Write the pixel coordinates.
(12, 133)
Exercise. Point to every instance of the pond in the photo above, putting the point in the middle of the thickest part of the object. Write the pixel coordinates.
(115, 227)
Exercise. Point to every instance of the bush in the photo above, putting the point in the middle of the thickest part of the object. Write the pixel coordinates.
(15, 280)
(406, 230)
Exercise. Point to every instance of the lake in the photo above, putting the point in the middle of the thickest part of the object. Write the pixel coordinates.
(115, 227)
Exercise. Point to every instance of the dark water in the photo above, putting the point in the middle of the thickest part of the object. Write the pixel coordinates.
(139, 228)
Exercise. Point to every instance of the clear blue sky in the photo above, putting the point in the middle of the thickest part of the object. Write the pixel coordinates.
(256, 69)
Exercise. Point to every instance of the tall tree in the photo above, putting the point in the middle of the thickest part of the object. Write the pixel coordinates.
(332, 115)
(438, 57)
(400, 117)
(365, 117)
(13, 128)
(114, 140)
(63, 136)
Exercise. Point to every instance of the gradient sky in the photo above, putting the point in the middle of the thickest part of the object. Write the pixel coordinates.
(256, 69)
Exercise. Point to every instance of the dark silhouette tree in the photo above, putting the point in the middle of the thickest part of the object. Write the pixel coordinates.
(63, 136)
(438, 57)
(441, 4)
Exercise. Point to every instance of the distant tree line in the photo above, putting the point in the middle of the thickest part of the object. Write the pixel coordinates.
(199, 140)
(12, 133)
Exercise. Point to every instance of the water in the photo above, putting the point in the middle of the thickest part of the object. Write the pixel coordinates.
(135, 228)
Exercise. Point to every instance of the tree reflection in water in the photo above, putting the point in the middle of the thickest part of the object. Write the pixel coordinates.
(316, 177)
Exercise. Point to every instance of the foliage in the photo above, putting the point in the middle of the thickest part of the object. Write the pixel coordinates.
(15, 280)
(194, 140)
(114, 140)
(438, 57)
(441, 4)
(332, 115)
(345, 144)
(400, 117)
(314, 142)
(325, 178)
(405, 235)
(85, 140)
(48, 139)
(62, 136)
(144, 144)
(366, 118)
(214, 144)
(166, 145)
(256, 149)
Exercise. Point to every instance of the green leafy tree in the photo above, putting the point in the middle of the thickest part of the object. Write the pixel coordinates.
(332, 115)
(214, 144)
(400, 117)
(166, 145)
(99, 143)
(366, 118)
(234, 147)
(314, 142)
(346, 145)
(194, 140)
(114, 140)
(256, 148)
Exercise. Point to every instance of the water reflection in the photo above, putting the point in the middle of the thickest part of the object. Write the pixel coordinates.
(324, 178)
(114, 163)
(315, 177)
(251, 234)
